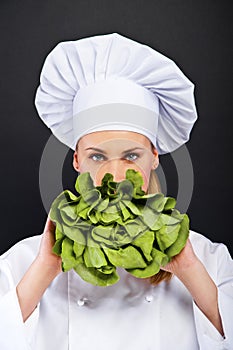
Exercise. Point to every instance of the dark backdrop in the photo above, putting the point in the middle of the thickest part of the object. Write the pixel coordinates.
(195, 34)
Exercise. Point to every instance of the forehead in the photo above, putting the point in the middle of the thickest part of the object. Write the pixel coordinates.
(119, 139)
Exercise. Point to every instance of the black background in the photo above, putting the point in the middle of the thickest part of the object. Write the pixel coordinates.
(195, 34)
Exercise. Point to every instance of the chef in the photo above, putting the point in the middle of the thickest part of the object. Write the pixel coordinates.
(118, 104)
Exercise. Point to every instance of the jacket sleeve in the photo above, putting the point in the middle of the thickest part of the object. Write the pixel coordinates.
(208, 336)
(15, 334)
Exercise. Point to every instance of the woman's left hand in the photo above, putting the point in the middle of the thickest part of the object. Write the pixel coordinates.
(183, 261)
(192, 273)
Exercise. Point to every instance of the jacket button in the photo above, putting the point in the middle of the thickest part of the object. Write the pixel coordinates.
(82, 301)
(149, 298)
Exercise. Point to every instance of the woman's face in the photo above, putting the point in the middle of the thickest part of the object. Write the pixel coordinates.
(114, 152)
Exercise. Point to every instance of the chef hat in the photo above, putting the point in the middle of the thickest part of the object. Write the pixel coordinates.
(110, 82)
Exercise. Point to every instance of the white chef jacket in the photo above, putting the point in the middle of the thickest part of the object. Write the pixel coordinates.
(131, 315)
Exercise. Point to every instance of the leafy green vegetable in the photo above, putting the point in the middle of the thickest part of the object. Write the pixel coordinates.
(116, 225)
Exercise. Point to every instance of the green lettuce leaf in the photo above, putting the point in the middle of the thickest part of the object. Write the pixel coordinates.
(116, 225)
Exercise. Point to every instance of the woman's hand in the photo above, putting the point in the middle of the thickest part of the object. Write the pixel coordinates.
(46, 255)
(183, 261)
(193, 274)
(40, 274)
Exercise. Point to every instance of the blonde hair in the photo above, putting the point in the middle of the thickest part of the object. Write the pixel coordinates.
(155, 187)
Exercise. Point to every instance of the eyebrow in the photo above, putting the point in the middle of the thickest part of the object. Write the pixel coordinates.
(133, 149)
(102, 151)
(95, 149)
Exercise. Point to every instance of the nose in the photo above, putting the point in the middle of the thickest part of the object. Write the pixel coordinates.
(117, 169)
(114, 166)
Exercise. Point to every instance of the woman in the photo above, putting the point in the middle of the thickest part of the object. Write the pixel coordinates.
(118, 104)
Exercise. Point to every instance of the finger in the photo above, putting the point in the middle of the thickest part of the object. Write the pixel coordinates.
(49, 225)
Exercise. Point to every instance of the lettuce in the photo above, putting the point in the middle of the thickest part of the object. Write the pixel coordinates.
(116, 225)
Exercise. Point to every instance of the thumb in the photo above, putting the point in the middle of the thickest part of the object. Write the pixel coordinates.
(49, 225)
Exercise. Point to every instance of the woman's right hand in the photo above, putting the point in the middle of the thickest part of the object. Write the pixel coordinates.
(46, 255)
(40, 274)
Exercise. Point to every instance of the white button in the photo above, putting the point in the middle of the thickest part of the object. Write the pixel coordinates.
(149, 298)
(82, 301)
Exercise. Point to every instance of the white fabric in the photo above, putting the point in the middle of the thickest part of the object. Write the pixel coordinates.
(114, 91)
(107, 70)
(130, 315)
(97, 119)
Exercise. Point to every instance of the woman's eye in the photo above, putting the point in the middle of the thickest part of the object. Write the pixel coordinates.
(131, 156)
(97, 157)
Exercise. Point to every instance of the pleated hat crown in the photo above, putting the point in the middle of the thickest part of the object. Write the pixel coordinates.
(110, 82)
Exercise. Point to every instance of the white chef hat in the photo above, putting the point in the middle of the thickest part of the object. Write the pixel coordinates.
(110, 82)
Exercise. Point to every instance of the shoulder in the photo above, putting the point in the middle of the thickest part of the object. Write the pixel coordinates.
(215, 256)
(27, 245)
(204, 245)
(21, 255)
